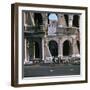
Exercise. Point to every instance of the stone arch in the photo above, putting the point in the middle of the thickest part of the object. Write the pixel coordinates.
(53, 39)
(67, 48)
(69, 38)
(53, 47)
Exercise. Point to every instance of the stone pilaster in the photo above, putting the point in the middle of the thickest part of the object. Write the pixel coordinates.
(45, 21)
(25, 48)
(60, 47)
(32, 19)
(24, 14)
(75, 48)
(70, 21)
(42, 48)
(47, 52)
(33, 50)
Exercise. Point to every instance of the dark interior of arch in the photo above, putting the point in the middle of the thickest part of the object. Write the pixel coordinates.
(66, 48)
(38, 19)
(37, 50)
(53, 47)
(66, 18)
(76, 21)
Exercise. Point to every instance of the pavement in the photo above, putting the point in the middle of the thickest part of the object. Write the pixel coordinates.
(51, 70)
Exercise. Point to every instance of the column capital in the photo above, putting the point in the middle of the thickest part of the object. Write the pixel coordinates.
(70, 16)
(74, 37)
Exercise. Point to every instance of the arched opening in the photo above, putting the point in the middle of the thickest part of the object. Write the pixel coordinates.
(76, 21)
(66, 18)
(37, 50)
(38, 19)
(67, 48)
(53, 47)
(78, 45)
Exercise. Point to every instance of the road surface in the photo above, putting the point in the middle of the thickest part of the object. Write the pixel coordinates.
(51, 70)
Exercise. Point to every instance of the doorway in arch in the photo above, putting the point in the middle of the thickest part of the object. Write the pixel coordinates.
(37, 50)
(67, 48)
(53, 47)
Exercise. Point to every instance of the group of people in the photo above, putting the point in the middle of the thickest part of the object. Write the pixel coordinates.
(56, 60)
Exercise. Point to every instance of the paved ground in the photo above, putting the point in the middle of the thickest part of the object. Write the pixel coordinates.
(51, 70)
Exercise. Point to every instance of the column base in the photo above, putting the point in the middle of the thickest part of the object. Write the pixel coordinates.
(26, 61)
(76, 55)
(60, 56)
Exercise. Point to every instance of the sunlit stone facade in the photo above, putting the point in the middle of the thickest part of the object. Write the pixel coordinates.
(45, 38)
